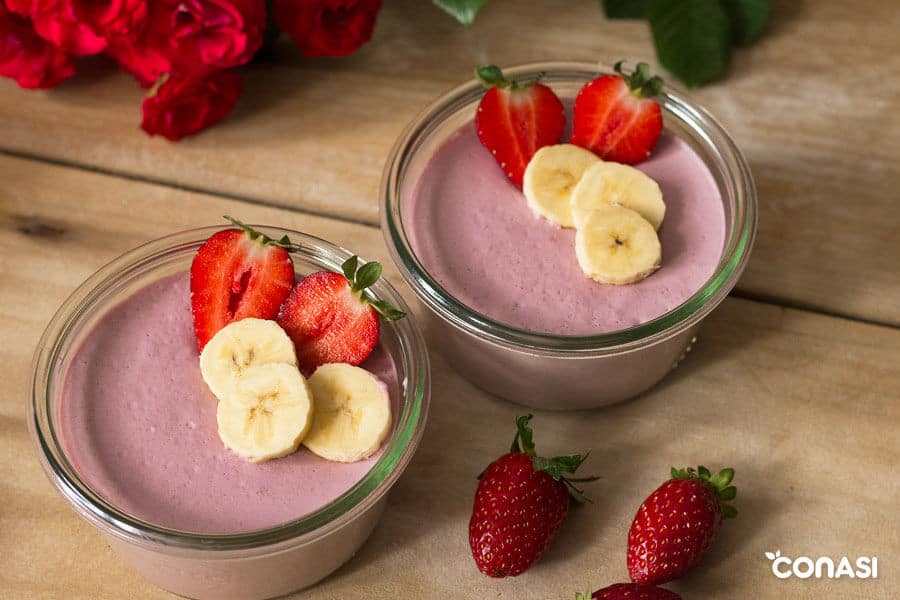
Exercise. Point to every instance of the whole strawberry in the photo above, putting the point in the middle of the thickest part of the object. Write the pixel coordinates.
(676, 525)
(521, 501)
(630, 591)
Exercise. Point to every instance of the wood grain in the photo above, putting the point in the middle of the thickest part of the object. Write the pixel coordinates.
(815, 110)
(802, 405)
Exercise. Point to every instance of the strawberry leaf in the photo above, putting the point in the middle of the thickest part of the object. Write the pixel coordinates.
(349, 268)
(463, 11)
(524, 434)
(692, 38)
(387, 310)
(748, 19)
(367, 275)
(625, 9)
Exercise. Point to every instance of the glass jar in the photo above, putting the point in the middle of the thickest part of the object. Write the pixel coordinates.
(245, 565)
(553, 371)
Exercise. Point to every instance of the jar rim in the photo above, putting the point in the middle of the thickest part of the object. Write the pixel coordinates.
(142, 261)
(675, 104)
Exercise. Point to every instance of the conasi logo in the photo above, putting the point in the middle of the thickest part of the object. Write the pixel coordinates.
(804, 567)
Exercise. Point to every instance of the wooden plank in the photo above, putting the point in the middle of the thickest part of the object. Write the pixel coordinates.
(811, 107)
(803, 406)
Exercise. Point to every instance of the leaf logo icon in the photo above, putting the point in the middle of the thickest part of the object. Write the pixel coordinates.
(773, 555)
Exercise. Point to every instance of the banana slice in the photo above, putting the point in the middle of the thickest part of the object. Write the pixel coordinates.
(616, 245)
(551, 176)
(352, 415)
(239, 346)
(614, 183)
(268, 414)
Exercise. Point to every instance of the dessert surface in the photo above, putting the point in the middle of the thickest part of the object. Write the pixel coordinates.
(474, 233)
(139, 425)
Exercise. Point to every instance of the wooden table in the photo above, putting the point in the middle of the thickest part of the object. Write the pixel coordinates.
(794, 382)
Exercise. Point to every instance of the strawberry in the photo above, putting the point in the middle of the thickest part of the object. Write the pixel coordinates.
(676, 525)
(237, 274)
(616, 117)
(516, 119)
(521, 501)
(331, 318)
(630, 591)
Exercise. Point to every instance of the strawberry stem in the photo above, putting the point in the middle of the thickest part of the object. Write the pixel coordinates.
(556, 466)
(720, 484)
(491, 76)
(639, 81)
(261, 238)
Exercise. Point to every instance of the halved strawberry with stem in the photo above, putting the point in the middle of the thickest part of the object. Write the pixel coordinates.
(516, 119)
(616, 117)
(237, 274)
(331, 318)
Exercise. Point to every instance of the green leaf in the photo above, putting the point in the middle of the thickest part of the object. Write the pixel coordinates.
(728, 494)
(748, 18)
(703, 472)
(463, 11)
(490, 76)
(349, 268)
(721, 479)
(692, 38)
(387, 310)
(729, 511)
(625, 9)
(367, 275)
(525, 434)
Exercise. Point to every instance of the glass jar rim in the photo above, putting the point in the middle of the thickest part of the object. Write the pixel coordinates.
(673, 102)
(110, 519)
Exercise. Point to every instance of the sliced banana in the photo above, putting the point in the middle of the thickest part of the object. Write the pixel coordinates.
(268, 414)
(616, 245)
(614, 183)
(239, 346)
(550, 177)
(352, 413)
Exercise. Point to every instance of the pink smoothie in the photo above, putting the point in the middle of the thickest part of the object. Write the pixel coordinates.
(474, 233)
(139, 425)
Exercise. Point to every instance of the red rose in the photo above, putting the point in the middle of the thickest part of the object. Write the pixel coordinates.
(24, 56)
(145, 52)
(207, 35)
(112, 17)
(327, 27)
(184, 106)
(56, 21)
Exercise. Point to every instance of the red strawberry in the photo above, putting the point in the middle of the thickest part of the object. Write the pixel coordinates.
(630, 591)
(516, 119)
(521, 502)
(616, 117)
(330, 317)
(675, 527)
(237, 274)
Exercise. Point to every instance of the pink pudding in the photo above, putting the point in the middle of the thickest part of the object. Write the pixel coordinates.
(473, 232)
(139, 426)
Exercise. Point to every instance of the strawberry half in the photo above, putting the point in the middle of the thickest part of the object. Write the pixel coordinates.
(676, 525)
(521, 502)
(616, 117)
(330, 317)
(516, 119)
(237, 274)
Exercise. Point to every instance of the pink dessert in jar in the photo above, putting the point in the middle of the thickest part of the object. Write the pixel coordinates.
(128, 430)
(515, 310)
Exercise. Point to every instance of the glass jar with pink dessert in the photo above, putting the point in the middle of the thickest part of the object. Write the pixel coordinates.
(125, 427)
(507, 293)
